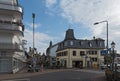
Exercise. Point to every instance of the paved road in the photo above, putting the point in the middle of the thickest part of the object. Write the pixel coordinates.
(72, 75)
(66, 76)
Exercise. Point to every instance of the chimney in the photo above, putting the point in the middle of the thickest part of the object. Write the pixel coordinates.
(50, 44)
(93, 37)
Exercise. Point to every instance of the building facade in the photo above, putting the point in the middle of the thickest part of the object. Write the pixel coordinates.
(79, 53)
(12, 57)
(51, 54)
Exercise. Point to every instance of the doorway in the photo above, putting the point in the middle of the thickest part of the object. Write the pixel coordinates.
(77, 64)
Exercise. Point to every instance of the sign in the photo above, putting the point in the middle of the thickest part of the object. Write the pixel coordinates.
(103, 52)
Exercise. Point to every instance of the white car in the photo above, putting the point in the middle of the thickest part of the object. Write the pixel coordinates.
(104, 66)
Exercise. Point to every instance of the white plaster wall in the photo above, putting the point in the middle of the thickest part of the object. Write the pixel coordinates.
(8, 1)
(18, 39)
(6, 38)
(6, 17)
(53, 51)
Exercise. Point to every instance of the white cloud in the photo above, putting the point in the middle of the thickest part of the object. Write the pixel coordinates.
(36, 25)
(41, 40)
(50, 3)
(91, 11)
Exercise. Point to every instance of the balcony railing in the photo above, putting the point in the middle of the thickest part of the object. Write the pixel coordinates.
(11, 27)
(11, 7)
(8, 25)
(8, 46)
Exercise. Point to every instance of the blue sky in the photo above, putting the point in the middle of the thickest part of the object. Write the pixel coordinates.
(54, 17)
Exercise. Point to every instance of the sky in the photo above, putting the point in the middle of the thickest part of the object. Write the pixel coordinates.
(54, 17)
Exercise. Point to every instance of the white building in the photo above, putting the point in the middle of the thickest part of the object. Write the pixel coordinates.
(12, 56)
(51, 53)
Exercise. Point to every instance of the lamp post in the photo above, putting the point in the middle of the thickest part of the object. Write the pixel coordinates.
(113, 57)
(106, 34)
(33, 16)
(34, 62)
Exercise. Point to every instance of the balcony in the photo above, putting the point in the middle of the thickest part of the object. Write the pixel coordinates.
(11, 26)
(9, 46)
(11, 7)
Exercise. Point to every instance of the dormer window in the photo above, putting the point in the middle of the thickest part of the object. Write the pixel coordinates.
(90, 44)
(80, 43)
(71, 43)
(65, 43)
(100, 44)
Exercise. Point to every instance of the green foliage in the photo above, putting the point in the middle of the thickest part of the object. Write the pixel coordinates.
(107, 59)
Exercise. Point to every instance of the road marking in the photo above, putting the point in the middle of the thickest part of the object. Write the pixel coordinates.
(17, 80)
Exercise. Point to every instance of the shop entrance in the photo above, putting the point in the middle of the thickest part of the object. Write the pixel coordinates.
(77, 64)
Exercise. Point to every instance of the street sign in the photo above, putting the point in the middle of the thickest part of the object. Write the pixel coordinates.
(103, 52)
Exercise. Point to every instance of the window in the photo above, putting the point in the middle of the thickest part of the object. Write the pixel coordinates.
(65, 53)
(95, 52)
(94, 59)
(82, 53)
(92, 52)
(74, 53)
(3, 53)
(71, 43)
(90, 44)
(65, 43)
(62, 54)
(100, 44)
(80, 43)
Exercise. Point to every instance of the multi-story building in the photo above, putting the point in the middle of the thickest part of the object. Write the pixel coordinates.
(80, 53)
(12, 56)
(72, 52)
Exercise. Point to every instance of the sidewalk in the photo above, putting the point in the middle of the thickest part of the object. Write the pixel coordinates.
(23, 73)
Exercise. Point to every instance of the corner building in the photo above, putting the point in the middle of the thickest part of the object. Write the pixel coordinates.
(79, 53)
(12, 57)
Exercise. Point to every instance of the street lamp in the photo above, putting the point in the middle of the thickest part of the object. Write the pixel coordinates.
(34, 61)
(33, 16)
(113, 57)
(106, 31)
(106, 34)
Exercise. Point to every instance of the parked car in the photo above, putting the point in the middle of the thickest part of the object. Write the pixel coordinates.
(31, 68)
(104, 66)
